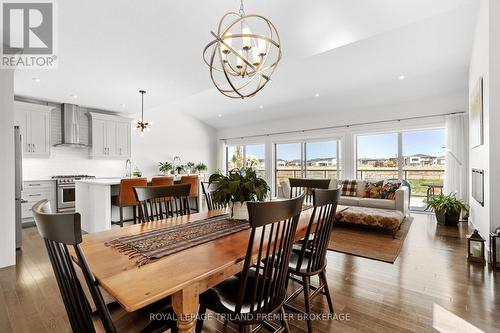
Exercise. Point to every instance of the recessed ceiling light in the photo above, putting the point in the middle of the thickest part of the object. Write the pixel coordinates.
(74, 96)
(261, 107)
(316, 95)
(219, 115)
(402, 77)
(36, 79)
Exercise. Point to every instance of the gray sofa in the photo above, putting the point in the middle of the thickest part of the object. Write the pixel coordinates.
(401, 203)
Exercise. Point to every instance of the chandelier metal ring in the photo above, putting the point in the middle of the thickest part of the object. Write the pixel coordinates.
(247, 71)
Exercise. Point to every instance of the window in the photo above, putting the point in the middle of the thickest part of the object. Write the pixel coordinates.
(246, 156)
(423, 163)
(318, 159)
(377, 156)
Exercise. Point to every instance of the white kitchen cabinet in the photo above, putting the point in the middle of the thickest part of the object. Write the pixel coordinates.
(34, 122)
(34, 191)
(110, 137)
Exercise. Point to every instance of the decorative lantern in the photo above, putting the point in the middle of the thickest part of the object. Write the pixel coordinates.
(475, 248)
(495, 249)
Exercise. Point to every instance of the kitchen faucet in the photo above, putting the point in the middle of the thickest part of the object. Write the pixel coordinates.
(128, 167)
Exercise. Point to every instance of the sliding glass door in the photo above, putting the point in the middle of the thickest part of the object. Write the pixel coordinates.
(289, 164)
(377, 156)
(240, 156)
(423, 164)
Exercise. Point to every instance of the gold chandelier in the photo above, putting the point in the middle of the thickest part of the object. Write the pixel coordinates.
(244, 54)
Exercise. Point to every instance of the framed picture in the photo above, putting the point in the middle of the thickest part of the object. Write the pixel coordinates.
(476, 115)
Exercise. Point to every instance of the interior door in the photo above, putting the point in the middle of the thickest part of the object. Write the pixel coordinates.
(39, 124)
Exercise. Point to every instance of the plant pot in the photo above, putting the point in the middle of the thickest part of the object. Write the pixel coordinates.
(448, 219)
(239, 211)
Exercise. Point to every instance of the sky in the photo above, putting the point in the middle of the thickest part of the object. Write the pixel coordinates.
(429, 142)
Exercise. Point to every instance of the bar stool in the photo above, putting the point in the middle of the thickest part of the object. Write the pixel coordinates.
(193, 180)
(126, 197)
(162, 181)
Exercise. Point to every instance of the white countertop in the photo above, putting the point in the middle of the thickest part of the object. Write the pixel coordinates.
(101, 181)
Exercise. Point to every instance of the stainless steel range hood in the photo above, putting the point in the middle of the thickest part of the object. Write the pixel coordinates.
(71, 119)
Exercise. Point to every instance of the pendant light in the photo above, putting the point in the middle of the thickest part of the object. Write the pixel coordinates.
(141, 125)
(243, 55)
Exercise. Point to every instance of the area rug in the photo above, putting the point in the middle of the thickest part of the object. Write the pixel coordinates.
(369, 243)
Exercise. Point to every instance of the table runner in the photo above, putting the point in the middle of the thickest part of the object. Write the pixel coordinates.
(155, 244)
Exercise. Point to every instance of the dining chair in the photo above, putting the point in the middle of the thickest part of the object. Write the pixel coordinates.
(260, 289)
(126, 197)
(208, 192)
(306, 186)
(193, 194)
(310, 259)
(157, 202)
(62, 231)
(162, 181)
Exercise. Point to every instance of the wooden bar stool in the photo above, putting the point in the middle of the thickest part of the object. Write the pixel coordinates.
(193, 180)
(162, 181)
(126, 197)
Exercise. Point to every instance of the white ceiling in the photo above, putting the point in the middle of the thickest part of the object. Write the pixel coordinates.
(349, 51)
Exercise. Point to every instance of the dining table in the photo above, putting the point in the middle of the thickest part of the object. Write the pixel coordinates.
(182, 275)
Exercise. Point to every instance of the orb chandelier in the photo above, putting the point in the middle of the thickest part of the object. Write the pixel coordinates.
(141, 124)
(243, 55)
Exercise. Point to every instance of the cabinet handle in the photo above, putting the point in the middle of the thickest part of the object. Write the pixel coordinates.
(34, 184)
(34, 195)
(33, 147)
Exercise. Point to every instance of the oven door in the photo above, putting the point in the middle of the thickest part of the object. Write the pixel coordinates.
(66, 198)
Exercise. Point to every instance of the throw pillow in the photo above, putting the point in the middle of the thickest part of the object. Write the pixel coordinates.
(389, 190)
(349, 188)
(373, 190)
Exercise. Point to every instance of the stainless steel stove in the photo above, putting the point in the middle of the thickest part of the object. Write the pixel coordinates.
(66, 191)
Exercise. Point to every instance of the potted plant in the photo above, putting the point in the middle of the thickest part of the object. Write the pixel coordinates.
(179, 169)
(190, 167)
(137, 172)
(447, 208)
(238, 187)
(200, 167)
(165, 168)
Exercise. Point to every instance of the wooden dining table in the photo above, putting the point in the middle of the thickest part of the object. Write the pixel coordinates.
(182, 275)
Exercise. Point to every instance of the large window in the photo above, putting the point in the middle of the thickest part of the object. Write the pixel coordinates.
(377, 156)
(317, 159)
(421, 163)
(247, 156)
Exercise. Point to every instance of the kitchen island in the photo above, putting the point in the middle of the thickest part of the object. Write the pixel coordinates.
(93, 202)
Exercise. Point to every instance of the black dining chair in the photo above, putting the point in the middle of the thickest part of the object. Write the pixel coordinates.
(158, 202)
(306, 186)
(208, 192)
(61, 232)
(310, 259)
(260, 289)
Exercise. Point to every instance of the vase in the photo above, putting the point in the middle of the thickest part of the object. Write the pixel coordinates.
(239, 211)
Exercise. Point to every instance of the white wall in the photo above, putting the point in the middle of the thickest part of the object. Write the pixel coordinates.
(480, 156)
(172, 134)
(7, 222)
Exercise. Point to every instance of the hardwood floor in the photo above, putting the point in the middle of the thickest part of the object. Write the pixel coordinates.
(429, 288)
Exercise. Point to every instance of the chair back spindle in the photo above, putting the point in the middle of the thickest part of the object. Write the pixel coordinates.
(155, 202)
(208, 192)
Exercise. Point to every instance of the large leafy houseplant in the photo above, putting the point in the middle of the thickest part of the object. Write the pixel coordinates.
(238, 187)
(447, 208)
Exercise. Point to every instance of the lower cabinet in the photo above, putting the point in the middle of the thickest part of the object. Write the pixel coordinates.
(34, 191)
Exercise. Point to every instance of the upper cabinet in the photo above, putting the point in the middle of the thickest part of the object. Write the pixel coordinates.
(110, 136)
(34, 123)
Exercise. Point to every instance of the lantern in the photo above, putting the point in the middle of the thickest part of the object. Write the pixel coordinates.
(495, 249)
(475, 248)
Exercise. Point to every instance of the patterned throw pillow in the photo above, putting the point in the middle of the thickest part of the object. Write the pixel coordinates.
(389, 190)
(349, 188)
(373, 190)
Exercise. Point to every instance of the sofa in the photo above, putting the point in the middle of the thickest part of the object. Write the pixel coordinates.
(401, 203)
